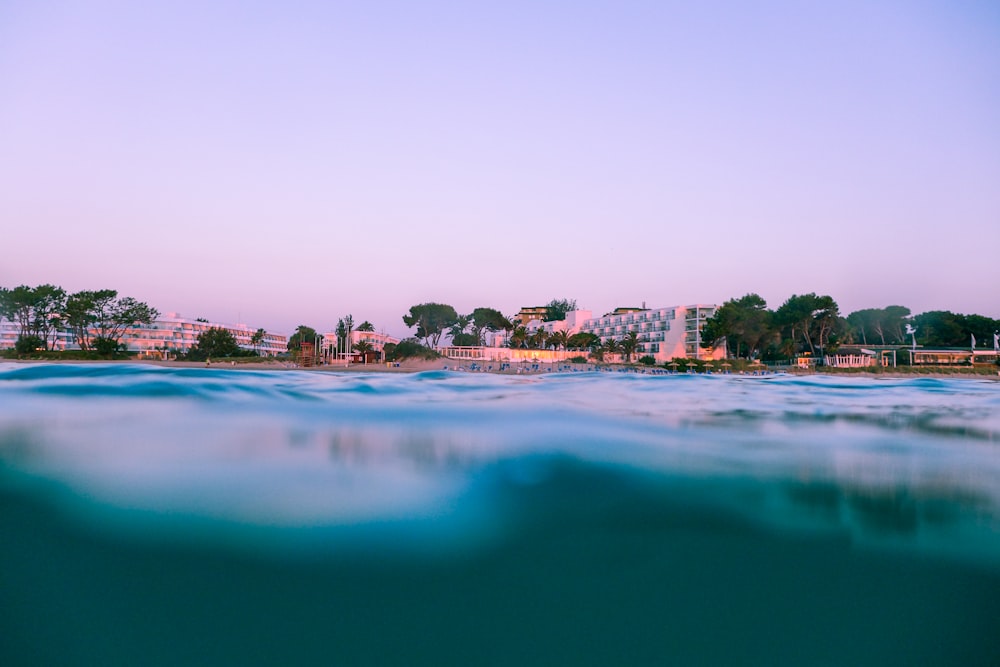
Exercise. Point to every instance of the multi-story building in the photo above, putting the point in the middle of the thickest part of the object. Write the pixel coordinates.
(168, 335)
(529, 313)
(664, 333)
(332, 348)
(174, 333)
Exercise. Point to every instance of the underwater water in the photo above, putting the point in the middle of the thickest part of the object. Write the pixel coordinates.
(162, 516)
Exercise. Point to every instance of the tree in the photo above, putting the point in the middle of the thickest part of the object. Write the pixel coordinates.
(110, 317)
(744, 324)
(811, 316)
(538, 340)
(559, 339)
(582, 340)
(366, 326)
(612, 346)
(629, 342)
(796, 316)
(303, 334)
(38, 312)
(215, 342)
(884, 325)
(557, 309)
(942, 328)
(462, 322)
(407, 348)
(464, 339)
(430, 320)
(256, 339)
(345, 328)
(364, 348)
(81, 314)
(488, 319)
(519, 337)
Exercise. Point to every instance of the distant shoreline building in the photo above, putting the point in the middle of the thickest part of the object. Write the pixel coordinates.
(332, 349)
(663, 333)
(168, 335)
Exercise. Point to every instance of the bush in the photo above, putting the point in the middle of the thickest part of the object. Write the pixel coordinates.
(409, 348)
(579, 359)
(106, 346)
(28, 344)
(647, 360)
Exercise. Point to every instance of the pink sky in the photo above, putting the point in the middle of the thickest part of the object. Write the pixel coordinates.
(289, 165)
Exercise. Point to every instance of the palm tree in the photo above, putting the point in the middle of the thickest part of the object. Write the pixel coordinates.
(519, 337)
(628, 345)
(558, 339)
(460, 325)
(256, 339)
(538, 339)
(612, 346)
(363, 347)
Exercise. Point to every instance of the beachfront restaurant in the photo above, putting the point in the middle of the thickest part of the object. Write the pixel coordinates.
(952, 357)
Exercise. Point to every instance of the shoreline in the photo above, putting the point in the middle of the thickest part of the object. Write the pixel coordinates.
(458, 365)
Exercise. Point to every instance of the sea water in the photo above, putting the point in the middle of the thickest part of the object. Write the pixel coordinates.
(186, 516)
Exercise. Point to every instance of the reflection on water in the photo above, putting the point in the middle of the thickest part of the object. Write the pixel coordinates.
(462, 518)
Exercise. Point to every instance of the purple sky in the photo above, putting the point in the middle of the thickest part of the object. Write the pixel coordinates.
(287, 163)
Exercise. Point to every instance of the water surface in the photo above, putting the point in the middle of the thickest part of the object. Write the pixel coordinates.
(208, 516)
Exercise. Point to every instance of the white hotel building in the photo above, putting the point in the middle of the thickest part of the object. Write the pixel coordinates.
(664, 333)
(168, 335)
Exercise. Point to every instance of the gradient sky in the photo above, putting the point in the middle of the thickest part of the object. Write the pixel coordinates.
(287, 163)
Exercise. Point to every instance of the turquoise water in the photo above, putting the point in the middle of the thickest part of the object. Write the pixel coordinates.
(161, 516)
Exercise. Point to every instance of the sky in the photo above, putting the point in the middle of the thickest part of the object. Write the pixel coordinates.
(289, 163)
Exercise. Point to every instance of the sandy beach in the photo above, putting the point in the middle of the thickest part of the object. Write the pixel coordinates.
(465, 365)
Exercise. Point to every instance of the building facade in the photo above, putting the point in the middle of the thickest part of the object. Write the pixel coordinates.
(167, 336)
(334, 349)
(664, 333)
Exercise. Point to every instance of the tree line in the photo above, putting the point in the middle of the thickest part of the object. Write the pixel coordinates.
(97, 318)
(813, 324)
(431, 321)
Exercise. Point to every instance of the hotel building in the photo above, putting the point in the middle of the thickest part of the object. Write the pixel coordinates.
(664, 333)
(168, 335)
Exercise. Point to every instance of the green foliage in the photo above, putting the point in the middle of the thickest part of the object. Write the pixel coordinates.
(409, 348)
(38, 311)
(942, 328)
(106, 347)
(647, 360)
(28, 344)
(744, 325)
(558, 340)
(366, 326)
(810, 316)
(462, 339)
(215, 342)
(628, 344)
(488, 319)
(430, 320)
(364, 348)
(879, 326)
(583, 341)
(303, 334)
(518, 337)
(257, 339)
(557, 309)
(579, 359)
